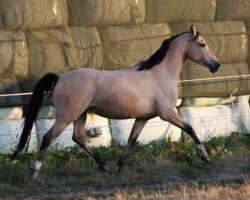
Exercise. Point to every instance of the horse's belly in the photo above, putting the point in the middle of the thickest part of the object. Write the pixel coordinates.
(120, 112)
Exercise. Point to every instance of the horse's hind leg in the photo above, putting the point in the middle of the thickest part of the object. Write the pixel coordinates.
(78, 138)
(48, 139)
(176, 120)
(135, 132)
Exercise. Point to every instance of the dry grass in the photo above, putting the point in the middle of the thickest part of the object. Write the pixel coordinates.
(185, 193)
(211, 193)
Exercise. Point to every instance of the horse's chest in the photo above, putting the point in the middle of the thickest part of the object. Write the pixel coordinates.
(168, 90)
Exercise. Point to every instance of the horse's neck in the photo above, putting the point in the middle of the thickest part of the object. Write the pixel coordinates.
(171, 65)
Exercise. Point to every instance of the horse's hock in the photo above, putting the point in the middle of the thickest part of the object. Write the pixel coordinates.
(61, 35)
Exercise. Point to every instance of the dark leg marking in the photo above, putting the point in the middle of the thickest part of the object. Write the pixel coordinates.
(78, 138)
(176, 120)
(136, 130)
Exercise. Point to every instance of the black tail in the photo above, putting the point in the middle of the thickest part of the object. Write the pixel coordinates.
(45, 84)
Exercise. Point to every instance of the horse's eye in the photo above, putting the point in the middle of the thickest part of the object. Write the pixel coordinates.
(202, 45)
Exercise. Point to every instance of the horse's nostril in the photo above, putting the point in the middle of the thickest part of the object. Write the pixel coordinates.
(218, 65)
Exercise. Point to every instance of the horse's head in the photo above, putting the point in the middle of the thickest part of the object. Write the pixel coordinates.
(199, 52)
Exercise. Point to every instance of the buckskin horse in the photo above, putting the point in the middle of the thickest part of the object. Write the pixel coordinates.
(144, 91)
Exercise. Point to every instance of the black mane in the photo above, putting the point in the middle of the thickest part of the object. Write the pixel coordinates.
(158, 56)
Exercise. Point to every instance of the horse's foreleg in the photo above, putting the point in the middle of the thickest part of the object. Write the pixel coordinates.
(135, 132)
(78, 138)
(48, 139)
(176, 120)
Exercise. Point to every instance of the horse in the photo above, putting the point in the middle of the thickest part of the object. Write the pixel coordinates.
(144, 91)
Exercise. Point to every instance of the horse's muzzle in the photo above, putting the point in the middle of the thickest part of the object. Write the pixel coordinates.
(214, 67)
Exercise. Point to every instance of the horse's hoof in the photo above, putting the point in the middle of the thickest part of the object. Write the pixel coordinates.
(33, 174)
(202, 153)
(104, 168)
(119, 170)
(206, 159)
(117, 173)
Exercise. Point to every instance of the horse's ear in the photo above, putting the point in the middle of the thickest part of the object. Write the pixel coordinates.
(192, 30)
